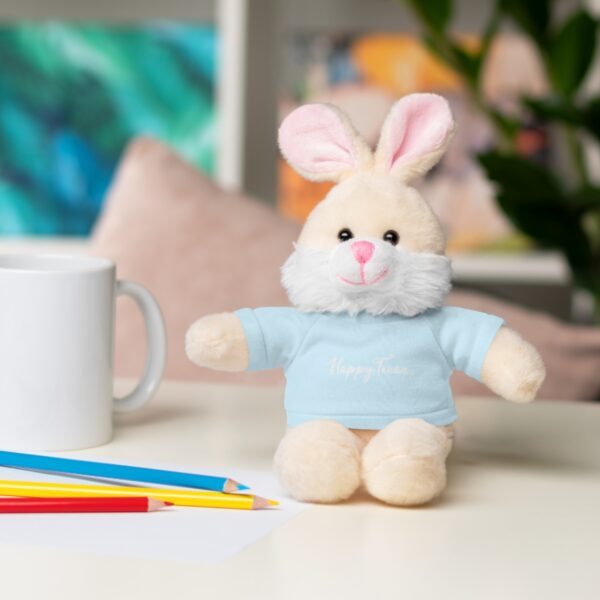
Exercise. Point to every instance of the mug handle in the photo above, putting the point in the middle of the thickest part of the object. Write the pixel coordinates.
(157, 346)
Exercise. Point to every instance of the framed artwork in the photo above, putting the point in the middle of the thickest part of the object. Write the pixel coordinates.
(72, 94)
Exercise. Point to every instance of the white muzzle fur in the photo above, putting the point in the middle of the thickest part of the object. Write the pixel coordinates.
(367, 275)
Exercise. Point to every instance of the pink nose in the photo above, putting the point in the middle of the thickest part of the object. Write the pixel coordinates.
(362, 251)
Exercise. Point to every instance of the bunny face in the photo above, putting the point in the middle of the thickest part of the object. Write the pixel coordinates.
(373, 244)
(369, 205)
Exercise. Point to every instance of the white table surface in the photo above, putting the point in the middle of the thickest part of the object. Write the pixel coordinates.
(520, 518)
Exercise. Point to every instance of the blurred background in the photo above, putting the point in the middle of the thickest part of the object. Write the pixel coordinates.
(518, 193)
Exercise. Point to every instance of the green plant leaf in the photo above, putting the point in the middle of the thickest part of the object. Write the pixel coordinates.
(533, 16)
(571, 52)
(467, 64)
(435, 14)
(591, 225)
(507, 124)
(591, 117)
(438, 47)
(567, 112)
(586, 198)
(522, 178)
(441, 48)
(489, 33)
(555, 109)
(536, 203)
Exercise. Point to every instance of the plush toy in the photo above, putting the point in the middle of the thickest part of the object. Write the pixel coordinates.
(368, 346)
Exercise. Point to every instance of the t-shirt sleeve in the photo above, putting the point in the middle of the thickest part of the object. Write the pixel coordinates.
(273, 335)
(464, 336)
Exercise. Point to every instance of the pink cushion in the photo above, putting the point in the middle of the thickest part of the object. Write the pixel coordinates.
(197, 248)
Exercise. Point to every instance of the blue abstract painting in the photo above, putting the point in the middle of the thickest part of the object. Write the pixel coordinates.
(71, 97)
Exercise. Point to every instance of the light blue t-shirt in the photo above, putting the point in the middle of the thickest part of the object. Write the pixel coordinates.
(367, 371)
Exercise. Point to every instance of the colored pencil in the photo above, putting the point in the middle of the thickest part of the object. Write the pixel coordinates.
(116, 471)
(198, 498)
(80, 505)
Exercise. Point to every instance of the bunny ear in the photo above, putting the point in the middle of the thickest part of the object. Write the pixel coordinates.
(319, 141)
(415, 134)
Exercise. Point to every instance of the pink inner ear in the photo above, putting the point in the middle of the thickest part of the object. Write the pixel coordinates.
(314, 139)
(419, 125)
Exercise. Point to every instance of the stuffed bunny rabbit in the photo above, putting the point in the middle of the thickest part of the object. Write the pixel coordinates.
(368, 347)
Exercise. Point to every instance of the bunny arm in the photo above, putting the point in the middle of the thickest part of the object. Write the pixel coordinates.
(512, 367)
(218, 342)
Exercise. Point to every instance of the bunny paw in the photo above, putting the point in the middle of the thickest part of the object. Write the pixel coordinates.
(319, 461)
(218, 342)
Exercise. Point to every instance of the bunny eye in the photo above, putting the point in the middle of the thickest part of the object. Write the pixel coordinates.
(392, 237)
(345, 234)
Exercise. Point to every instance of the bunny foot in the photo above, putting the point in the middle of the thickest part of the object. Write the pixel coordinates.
(319, 461)
(405, 463)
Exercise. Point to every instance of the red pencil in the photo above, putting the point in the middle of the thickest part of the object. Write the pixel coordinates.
(80, 505)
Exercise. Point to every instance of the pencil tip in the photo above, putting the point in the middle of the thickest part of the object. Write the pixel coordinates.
(157, 504)
(259, 502)
(233, 486)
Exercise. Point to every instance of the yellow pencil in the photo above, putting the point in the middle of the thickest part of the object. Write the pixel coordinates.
(201, 498)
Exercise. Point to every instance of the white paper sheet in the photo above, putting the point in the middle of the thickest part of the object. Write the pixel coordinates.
(199, 535)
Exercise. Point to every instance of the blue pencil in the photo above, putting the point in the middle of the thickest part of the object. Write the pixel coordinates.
(124, 472)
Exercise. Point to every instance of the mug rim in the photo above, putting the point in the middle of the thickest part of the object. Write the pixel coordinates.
(53, 263)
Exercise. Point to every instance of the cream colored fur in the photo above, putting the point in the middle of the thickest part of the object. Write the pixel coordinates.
(370, 204)
(319, 461)
(404, 463)
(512, 367)
(218, 342)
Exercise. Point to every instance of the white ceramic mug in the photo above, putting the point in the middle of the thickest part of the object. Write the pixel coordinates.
(57, 319)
